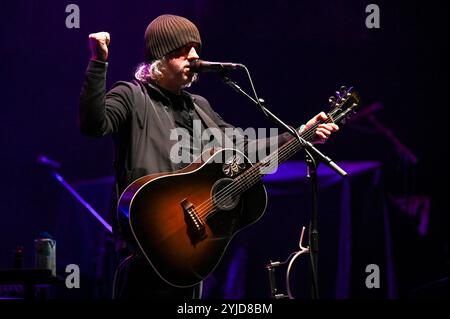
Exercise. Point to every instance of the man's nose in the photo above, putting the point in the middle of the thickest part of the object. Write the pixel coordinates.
(193, 54)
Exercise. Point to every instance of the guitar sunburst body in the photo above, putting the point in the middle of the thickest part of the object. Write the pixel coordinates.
(180, 221)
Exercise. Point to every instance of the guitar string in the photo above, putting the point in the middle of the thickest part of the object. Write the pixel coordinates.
(231, 190)
(242, 181)
(224, 191)
(205, 208)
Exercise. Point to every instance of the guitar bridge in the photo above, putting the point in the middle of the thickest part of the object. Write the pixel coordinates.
(195, 227)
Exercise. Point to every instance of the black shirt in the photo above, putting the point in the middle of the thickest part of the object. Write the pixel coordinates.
(186, 118)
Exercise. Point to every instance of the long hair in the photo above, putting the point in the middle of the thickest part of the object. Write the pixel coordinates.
(154, 71)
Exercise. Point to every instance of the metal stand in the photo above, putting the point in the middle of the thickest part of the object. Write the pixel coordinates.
(54, 165)
(314, 157)
(271, 270)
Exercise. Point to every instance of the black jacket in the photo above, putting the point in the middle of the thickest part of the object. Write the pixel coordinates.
(140, 117)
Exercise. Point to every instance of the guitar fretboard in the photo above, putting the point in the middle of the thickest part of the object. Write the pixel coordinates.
(251, 176)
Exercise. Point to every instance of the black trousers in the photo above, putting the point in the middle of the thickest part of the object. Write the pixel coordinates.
(135, 278)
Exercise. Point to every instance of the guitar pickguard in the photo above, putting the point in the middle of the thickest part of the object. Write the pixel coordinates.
(233, 165)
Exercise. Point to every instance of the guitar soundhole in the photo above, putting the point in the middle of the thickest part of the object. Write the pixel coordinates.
(224, 197)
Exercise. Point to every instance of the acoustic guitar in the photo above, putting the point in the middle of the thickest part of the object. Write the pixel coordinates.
(184, 220)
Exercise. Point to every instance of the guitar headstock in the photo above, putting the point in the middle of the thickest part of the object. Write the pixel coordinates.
(343, 105)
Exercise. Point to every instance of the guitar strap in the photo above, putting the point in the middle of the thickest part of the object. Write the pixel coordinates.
(210, 123)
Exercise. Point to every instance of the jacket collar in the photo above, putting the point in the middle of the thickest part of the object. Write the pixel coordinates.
(155, 91)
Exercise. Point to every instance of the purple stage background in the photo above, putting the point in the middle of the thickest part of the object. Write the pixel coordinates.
(392, 211)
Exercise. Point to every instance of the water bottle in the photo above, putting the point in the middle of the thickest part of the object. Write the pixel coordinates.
(45, 253)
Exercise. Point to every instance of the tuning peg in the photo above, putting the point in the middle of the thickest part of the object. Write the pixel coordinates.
(344, 89)
(332, 100)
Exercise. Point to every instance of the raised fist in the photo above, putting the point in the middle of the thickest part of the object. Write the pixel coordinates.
(99, 45)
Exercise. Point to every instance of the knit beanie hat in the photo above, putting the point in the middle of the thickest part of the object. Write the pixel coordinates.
(167, 33)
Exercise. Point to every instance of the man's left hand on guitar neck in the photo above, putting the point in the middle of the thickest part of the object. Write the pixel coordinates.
(323, 131)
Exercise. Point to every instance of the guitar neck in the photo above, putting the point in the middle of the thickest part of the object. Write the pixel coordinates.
(342, 107)
(271, 162)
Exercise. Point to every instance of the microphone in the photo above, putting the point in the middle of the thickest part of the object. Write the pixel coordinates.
(206, 66)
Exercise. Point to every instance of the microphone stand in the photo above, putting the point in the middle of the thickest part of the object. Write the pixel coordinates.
(83, 202)
(53, 165)
(314, 156)
(313, 229)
